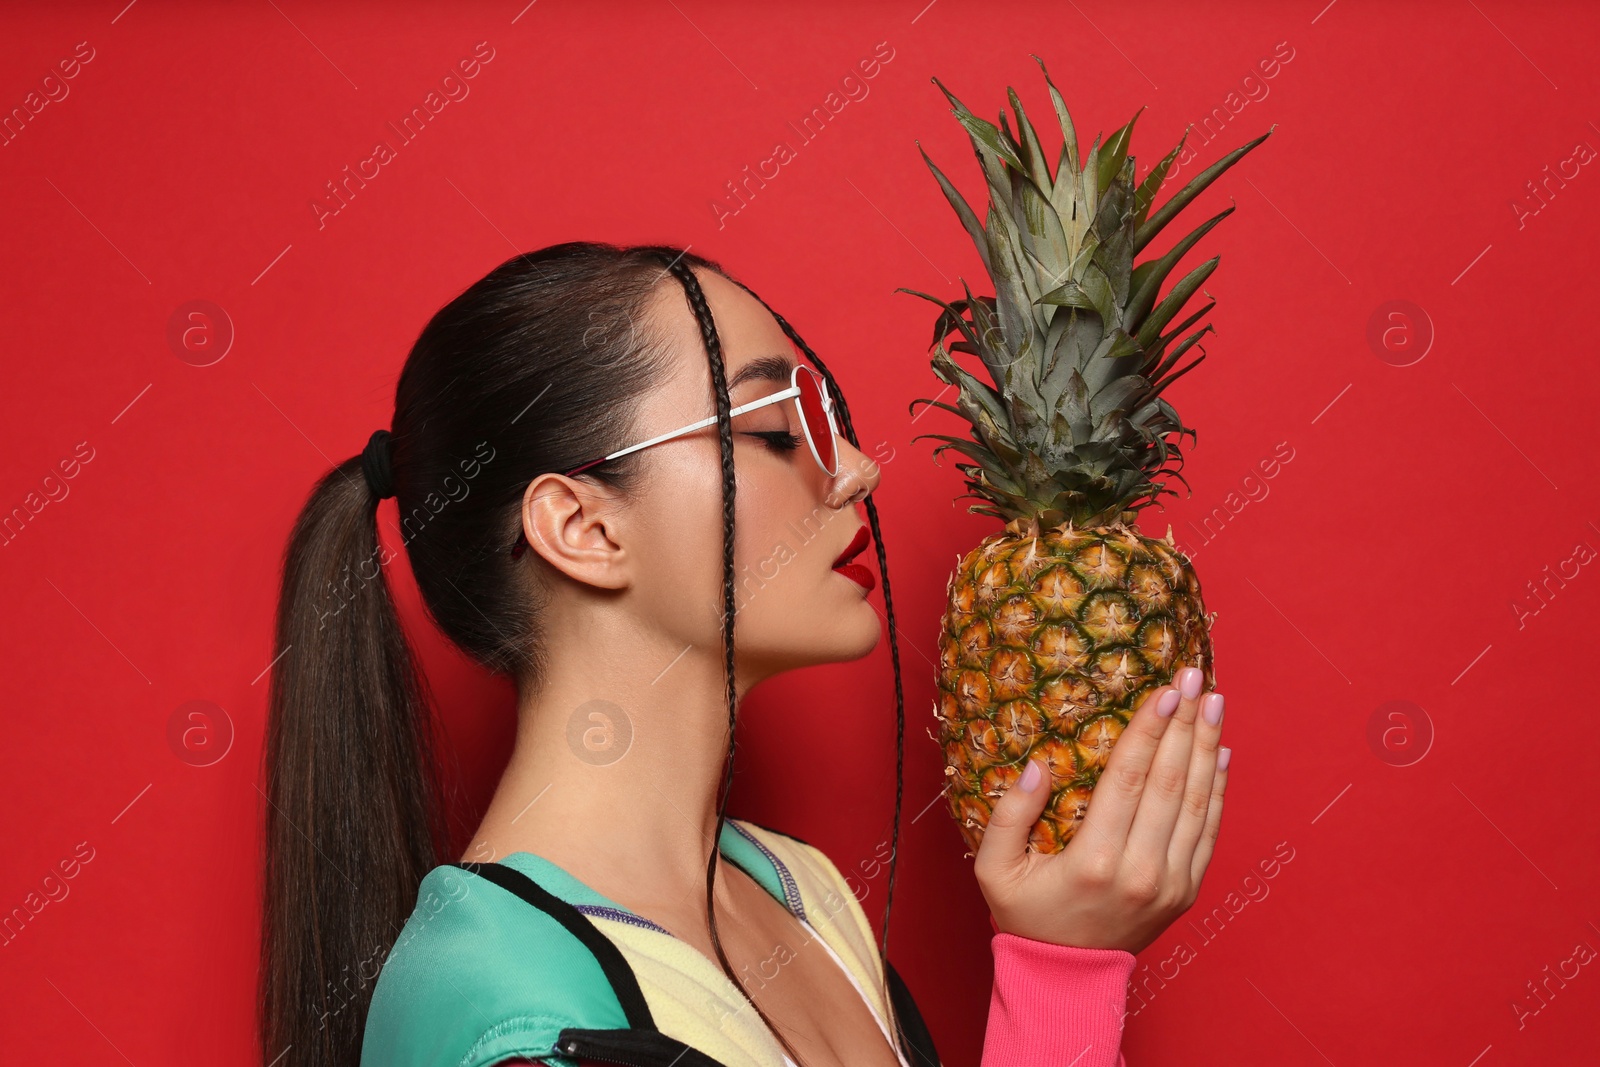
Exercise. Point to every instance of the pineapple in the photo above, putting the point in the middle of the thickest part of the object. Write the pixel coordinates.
(1059, 625)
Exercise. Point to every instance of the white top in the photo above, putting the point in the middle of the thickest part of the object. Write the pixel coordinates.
(870, 1007)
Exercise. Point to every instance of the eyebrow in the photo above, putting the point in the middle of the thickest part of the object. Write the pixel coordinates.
(763, 368)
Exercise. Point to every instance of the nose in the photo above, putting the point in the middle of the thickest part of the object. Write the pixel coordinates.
(858, 475)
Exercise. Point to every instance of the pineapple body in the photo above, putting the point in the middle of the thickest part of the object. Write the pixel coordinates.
(1050, 642)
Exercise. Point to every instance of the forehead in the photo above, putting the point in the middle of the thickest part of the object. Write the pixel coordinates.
(754, 346)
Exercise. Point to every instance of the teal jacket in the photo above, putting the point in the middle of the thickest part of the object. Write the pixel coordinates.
(520, 959)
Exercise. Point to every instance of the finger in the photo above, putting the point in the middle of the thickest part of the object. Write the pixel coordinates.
(1116, 794)
(1197, 792)
(1005, 838)
(1153, 823)
(1208, 837)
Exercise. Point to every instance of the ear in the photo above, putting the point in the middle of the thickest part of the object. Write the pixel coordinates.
(576, 527)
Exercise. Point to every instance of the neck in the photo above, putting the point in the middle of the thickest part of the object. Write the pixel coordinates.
(616, 766)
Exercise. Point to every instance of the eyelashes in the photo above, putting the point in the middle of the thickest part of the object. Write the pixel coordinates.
(781, 441)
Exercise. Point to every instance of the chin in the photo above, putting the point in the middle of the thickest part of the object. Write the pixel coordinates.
(847, 635)
(866, 637)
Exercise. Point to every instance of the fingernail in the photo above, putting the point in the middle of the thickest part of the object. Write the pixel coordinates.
(1223, 756)
(1030, 776)
(1168, 703)
(1211, 708)
(1189, 681)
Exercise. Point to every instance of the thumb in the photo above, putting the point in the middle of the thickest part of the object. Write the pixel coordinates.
(1005, 838)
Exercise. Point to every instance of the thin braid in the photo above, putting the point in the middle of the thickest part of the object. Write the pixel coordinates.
(894, 649)
(708, 333)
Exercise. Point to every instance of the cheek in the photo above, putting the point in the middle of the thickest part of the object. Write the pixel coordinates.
(781, 532)
(677, 529)
(780, 524)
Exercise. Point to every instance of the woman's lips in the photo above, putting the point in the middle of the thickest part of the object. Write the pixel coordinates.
(857, 545)
(855, 571)
(858, 574)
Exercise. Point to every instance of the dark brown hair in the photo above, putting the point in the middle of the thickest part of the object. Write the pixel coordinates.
(537, 367)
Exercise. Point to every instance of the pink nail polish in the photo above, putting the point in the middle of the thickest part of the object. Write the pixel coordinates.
(1211, 708)
(1223, 756)
(1189, 680)
(1168, 703)
(1030, 776)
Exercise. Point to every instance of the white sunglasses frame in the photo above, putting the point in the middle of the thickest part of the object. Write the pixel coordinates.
(792, 392)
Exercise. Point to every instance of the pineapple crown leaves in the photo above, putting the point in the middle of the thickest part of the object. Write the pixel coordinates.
(1075, 341)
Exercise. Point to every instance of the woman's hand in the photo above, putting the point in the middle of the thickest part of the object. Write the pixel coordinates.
(1135, 863)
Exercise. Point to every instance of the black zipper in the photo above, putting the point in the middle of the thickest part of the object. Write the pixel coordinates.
(634, 1048)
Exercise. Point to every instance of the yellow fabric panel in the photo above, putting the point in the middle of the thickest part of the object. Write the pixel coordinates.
(694, 1002)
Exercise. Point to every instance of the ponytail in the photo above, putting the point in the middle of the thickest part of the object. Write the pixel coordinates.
(352, 814)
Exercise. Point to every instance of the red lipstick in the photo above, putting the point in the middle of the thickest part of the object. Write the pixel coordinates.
(855, 571)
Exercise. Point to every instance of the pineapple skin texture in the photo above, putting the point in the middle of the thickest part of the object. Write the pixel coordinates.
(1048, 646)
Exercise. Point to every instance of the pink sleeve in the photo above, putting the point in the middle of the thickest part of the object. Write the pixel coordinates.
(1055, 1004)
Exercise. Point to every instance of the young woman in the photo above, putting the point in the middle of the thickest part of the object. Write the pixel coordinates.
(603, 457)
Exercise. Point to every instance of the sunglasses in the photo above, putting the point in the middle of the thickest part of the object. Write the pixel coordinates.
(811, 398)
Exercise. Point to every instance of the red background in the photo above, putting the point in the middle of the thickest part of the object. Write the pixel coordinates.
(1385, 562)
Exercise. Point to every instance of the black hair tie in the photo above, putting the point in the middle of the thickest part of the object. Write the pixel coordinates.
(375, 464)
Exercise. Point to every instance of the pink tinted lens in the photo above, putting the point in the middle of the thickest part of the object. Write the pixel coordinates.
(817, 425)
